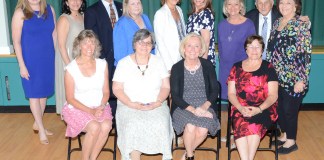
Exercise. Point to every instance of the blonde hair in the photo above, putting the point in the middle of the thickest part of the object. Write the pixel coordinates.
(81, 37)
(242, 10)
(29, 12)
(125, 9)
(187, 38)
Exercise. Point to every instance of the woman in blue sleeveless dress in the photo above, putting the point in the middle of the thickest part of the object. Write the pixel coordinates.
(33, 25)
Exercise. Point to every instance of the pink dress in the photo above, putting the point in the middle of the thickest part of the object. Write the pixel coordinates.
(87, 90)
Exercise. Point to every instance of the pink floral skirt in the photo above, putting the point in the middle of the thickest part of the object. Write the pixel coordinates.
(77, 120)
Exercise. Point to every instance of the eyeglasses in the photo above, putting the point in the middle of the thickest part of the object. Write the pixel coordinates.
(254, 47)
(142, 43)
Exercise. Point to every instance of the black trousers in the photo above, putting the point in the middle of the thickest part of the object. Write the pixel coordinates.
(288, 108)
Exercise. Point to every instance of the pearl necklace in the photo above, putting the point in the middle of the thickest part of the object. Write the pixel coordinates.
(194, 70)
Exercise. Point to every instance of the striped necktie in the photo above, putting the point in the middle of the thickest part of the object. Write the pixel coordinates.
(112, 15)
(264, 35)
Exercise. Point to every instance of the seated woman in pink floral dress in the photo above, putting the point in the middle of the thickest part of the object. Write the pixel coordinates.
(87, 93)
(253, 93)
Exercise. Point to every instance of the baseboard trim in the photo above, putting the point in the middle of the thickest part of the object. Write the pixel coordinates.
(52, 108)
(25, 109)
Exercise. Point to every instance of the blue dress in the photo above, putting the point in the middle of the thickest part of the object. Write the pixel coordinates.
(38, 54)
(231, 38)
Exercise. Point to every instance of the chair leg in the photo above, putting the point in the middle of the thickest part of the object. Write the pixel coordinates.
(276, 144)
(69, 148)
(115, 144)
(79, 141)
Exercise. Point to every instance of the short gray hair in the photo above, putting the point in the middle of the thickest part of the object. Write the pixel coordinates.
(187, 38)
(141, 35)
(242, 10)
(81, 37)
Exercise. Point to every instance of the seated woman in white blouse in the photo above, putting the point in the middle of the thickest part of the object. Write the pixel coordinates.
(141, 84)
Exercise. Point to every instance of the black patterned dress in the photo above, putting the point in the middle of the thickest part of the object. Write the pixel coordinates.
(252, 90)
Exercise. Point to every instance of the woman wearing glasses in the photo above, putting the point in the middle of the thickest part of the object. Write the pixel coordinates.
(253, 93)
(141, 84)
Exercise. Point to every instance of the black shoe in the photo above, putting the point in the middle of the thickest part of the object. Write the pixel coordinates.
(283, 150)
(280, 143)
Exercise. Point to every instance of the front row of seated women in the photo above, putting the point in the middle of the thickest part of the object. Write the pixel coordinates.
(141, 84)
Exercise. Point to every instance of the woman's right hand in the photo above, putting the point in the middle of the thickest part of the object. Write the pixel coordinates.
(24, 72)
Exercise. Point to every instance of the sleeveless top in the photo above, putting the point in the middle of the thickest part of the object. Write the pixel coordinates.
(88, 89)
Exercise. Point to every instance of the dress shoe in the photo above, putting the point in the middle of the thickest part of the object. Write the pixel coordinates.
(280, 143)
(283, 150)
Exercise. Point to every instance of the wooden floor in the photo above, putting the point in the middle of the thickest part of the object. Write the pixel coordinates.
(19, 142)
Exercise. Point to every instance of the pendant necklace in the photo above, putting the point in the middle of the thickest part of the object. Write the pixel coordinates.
(139, 68)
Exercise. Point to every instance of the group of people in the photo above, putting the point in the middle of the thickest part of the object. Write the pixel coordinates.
(109, 51)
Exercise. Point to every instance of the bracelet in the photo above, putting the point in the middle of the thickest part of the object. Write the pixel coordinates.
(260, 109)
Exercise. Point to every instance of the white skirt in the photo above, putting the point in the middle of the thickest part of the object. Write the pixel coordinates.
(149, 132)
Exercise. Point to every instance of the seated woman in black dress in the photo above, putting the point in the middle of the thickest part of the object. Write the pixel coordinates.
(194, 91)
(253, 93)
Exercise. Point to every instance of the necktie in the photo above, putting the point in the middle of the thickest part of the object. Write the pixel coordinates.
(112, 15)
(264, 36)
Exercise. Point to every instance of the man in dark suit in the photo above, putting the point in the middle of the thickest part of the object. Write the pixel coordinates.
(264, 8)
(100, 18)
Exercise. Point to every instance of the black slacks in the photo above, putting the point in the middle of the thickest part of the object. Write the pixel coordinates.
(288, 108)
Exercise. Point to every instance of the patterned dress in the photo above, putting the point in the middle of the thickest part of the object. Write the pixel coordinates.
(289, 50)
(195, 94)
(204, 20)
(252, 90)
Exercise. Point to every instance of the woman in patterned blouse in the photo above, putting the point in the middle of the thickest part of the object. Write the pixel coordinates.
(201, 21)
(289, 50)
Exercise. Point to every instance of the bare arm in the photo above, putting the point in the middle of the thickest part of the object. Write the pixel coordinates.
(54, 34)
(163, 95)
(233, 99)
(16, 27)
(105, 88)
(62, 33)
(206, 36)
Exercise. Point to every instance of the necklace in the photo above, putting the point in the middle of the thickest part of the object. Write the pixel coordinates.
(192, 71)
(139, 68)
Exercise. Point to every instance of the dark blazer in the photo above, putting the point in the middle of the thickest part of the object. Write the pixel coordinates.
(97, 19)
(177, 84)
(254, 16)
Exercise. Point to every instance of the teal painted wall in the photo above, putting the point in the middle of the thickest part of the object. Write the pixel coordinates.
(9, 66)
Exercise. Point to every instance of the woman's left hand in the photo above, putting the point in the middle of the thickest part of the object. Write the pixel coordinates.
(252, 111)
(299, 87)
(199, 112)
(99, 111)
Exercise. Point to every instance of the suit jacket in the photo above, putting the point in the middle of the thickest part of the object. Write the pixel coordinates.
(97, 19)
(177, 84)
(254, 16)
(167, 37)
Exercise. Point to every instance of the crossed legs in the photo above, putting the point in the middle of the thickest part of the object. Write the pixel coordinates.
(95, 138)
(247, 146)
(193, 136)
